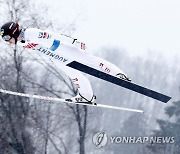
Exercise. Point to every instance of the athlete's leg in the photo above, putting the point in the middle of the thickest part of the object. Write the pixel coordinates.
(80, 81)
(95, 62)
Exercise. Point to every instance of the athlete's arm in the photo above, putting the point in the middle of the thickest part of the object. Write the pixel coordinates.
(49, 40)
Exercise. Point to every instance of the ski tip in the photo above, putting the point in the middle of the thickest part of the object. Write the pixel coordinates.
(165, 99)
(140, 111)
(168, 99)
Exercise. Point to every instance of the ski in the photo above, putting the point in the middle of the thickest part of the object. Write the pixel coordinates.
(69, 101)
(120, 82)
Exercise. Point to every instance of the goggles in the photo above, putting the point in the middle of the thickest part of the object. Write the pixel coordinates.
(6, 37)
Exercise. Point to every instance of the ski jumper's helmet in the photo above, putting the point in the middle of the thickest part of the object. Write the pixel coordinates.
(10, 30)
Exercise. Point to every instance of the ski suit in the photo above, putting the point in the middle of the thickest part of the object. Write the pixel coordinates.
(62, 50)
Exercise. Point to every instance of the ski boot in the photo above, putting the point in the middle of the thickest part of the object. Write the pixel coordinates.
(123, 77)
(80, 99)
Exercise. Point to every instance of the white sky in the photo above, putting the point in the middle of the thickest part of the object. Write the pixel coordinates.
(135, 25)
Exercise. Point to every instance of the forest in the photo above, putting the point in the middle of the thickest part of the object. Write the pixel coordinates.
(32, 126)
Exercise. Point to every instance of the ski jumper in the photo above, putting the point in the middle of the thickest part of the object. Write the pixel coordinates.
(62, 50)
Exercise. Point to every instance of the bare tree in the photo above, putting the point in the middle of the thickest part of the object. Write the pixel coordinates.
(77, 113)
(23, 113)
(14, 110)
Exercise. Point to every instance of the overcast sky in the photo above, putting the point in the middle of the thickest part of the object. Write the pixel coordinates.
(135, 25)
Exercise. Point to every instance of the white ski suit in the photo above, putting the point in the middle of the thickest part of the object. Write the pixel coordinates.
(62, 50)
